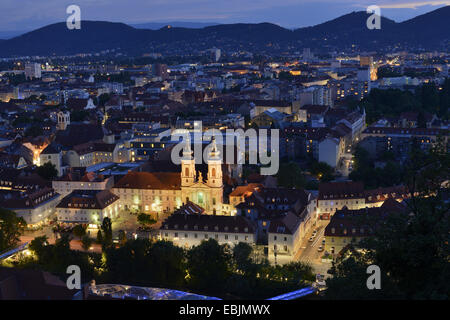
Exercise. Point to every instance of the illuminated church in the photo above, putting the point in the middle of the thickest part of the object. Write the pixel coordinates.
(158, 193)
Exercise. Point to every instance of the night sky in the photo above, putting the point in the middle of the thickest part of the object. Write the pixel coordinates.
(30, 14)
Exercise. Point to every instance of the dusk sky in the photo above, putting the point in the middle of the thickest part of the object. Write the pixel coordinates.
(26, 15)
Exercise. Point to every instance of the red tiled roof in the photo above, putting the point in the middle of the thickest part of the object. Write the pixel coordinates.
(150, 180)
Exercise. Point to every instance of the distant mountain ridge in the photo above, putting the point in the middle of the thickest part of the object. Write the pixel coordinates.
(176, 24)
(429, 30)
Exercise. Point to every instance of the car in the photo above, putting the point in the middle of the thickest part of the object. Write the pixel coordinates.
(311, 239)
(323, 241)
(320, 249)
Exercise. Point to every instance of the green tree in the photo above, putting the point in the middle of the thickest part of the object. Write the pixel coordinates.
(99, 237)
(86, 242)
(34, 131)
(122, 237)
(209, 263)
(290, 176)
(107, 232)
(145, 219)
(167, 264)
(11, 228)
(47, 171)
(322, 170)
(242, 256)
(79, 231)
(412, 247)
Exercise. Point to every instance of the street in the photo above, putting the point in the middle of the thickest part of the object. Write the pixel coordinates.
(308, 251)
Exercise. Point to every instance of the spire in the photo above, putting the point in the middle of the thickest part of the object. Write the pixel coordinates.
(214, 153)
(187, 152)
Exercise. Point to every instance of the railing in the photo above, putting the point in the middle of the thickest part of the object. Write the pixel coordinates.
(13, 251)
(295, 294)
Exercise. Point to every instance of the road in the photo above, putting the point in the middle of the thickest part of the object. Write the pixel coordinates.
(308, 251)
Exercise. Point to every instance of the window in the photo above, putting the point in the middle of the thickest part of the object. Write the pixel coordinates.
(274, 238)
(236, 237)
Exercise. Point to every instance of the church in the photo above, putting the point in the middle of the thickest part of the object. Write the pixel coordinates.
(160, 193)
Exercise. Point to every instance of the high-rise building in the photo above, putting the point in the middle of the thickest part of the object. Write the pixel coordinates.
(307, 54)
(317, 95)
(160, 70)
(366, 61)
(215, 54)
(32, 70)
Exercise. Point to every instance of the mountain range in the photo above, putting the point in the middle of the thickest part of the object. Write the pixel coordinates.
(429, 31)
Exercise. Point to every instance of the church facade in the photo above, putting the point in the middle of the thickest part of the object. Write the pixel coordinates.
(157, 193)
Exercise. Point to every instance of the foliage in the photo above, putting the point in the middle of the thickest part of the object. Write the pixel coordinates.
(290, 176)
(86, 242)
(322, 170)
(145, 219)
(107, 232)
(11, 227)
(79, 115)
(411, 248)
(364, 170)
(57, 257)
(47, 171)
(34, 131)
(79, 231)
(209, 263)
(392, 102)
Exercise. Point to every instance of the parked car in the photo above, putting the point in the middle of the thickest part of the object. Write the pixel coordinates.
(320, 249)
(323, 241)
(311, 239)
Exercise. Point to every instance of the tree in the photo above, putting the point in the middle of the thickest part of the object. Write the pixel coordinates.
(167, 264)
(145, 219)
(322, 170)
(79, 231)
(11, 227)
(79, 115)
(47, 171)
(290, 176)
(34, 131)
(242, 255)
(122, 237)
(209, 265)
(86, 242)
(107, 232)
(103, 98)
(99, 237)
(411, 247)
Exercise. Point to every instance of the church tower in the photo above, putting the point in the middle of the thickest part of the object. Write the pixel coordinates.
(63, 120)
(214, 166)
(187, 165)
